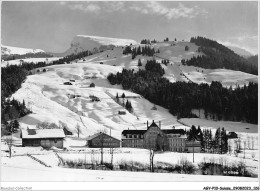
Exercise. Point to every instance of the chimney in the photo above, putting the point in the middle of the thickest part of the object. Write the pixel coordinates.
(173, 127)
(160, 124)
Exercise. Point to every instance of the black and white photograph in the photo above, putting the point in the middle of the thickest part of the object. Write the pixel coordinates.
(129, 95)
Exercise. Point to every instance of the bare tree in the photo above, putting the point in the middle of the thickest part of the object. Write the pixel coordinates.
(248, 142)
(9, 141)
(151, 154)
(253, 142)
(78, 129)
(151, 160)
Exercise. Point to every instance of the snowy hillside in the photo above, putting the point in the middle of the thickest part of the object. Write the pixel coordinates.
(8, 50)
(82, 43)
(52, 101)
(29, 60)
(240, 51)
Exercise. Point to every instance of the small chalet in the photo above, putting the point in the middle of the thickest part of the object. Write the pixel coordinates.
(121, 112)
(67, 83)
(92, 85)
(46, 138)
(102, 140)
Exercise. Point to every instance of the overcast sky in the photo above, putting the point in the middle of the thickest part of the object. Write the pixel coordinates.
(52, 25)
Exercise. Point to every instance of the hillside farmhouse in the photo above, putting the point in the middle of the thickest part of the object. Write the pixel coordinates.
(46, 138)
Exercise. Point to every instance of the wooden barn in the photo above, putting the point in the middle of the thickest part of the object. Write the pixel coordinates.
(67, 83)
(46, 138)
(102, 140)
(92, 85)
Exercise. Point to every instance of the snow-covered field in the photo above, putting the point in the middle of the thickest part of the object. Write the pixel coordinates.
(7, 50)
(24, 168)
(226, 77)
(29, 60)
(75, 175)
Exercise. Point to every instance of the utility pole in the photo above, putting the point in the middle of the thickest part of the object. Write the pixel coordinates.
(244, 149)
(102, 148)
(110, 141)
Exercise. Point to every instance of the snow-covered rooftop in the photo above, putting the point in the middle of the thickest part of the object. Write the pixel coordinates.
(42, 133)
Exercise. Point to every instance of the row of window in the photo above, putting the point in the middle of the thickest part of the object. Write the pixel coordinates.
(178, 149)
(134, 136)
(105, 144)
(177, 144)
(177, 140)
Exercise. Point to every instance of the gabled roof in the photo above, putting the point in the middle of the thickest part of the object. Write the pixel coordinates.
(174, 131)
(93, 136)
(153, 125)
(42, 133)
(139, 132)
(97, 134)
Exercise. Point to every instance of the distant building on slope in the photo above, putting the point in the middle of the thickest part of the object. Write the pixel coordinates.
(102, 140)
(155, 138)
(43, 137)
(92, 85)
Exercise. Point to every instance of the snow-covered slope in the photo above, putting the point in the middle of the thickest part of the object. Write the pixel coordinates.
(240, 51)
(29, 60)
(51, 101)
(82, 43)
(9, 50)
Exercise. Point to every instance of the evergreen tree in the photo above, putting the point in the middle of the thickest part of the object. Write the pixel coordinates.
(139, 62)
(224, 141)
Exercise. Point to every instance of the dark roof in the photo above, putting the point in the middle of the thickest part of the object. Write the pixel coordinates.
(153, 125)
(173, 131)
(98, 134)
(141, 132)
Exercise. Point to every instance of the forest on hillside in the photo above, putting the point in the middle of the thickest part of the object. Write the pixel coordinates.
(218, 56)
(24, 56)
(218, 102)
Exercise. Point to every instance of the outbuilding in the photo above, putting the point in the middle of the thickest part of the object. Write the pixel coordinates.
(46, 138)
(102, 140)
(67, 83)
(92, 85)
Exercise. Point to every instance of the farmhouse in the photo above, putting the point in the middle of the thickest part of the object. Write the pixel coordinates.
(121, 112)
(43, 137)
(67, 83)
(102, 140)
(92, 85)
(155, 138)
